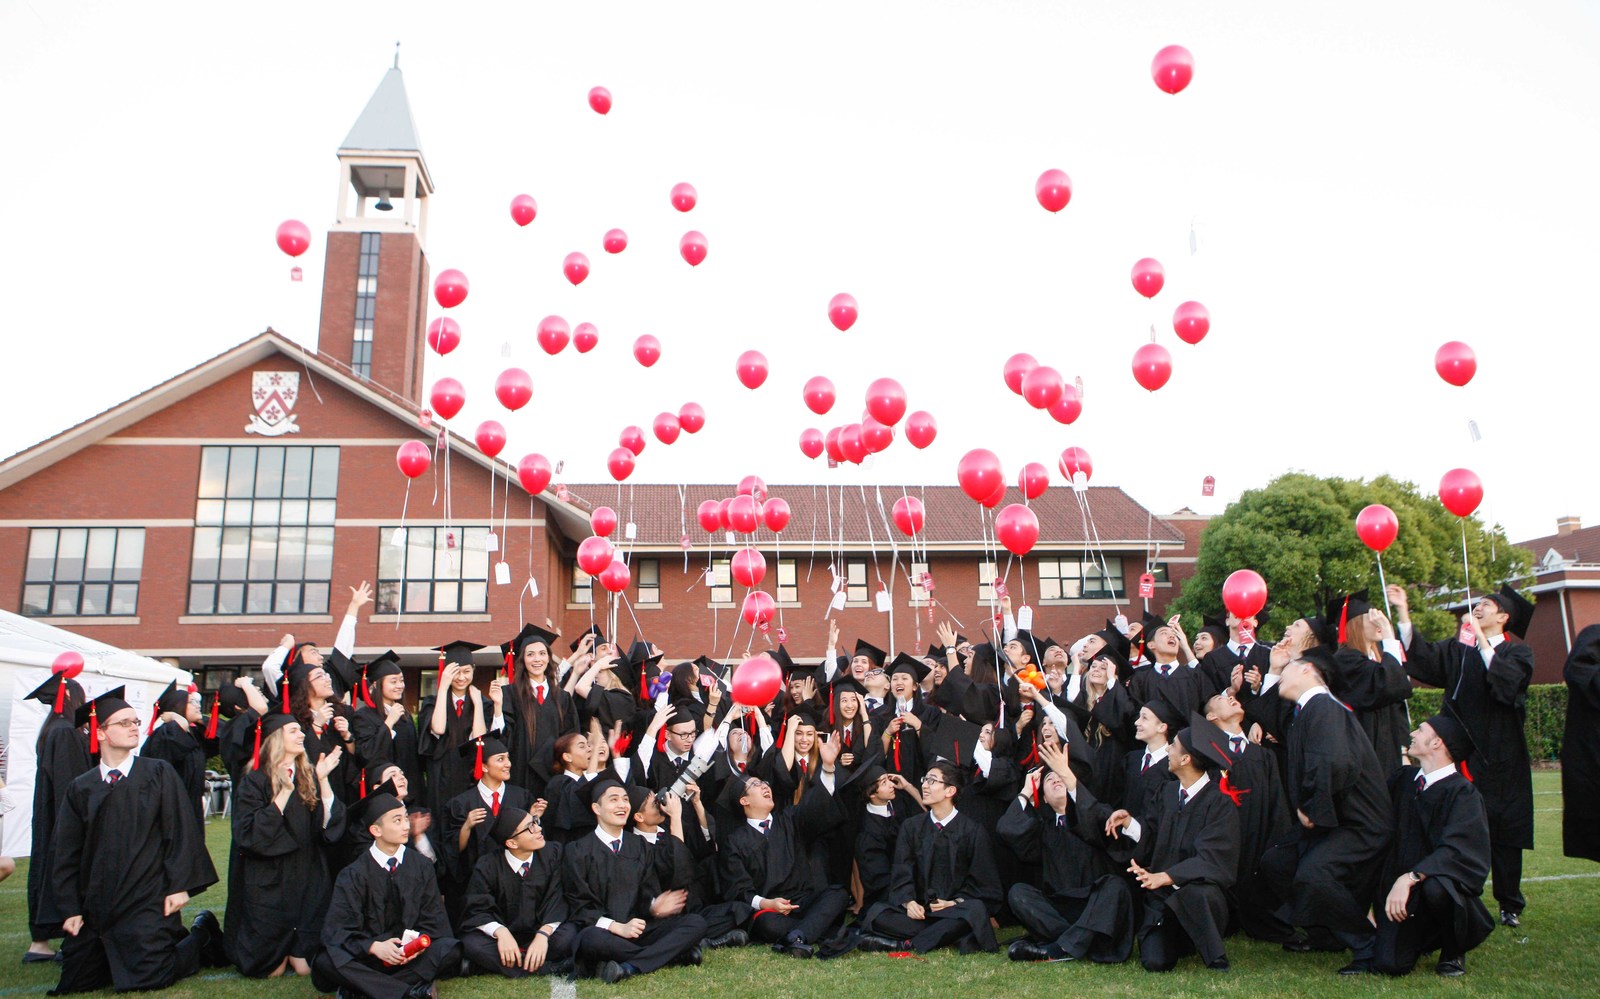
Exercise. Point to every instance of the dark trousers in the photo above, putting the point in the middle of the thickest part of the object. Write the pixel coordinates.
(370, 977)
(925, 934)
(484, 953)
(1187, 921)
(1505, 867)
(722, 917)
(1098, 926)
(819, 912)
(1430, 925)
(127, 961)
(662, 942)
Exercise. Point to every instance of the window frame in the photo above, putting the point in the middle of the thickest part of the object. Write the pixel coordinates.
(118, 582)
(394, 592)
(643, 568)
(791, 567)
(1078, 586)
(851, 586)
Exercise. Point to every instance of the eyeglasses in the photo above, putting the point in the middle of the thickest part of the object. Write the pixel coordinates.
(125, 723)
(931, 780)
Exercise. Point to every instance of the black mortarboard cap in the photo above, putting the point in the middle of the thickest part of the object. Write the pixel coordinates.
(232, 700)
(270, 723)
(780, 655)
(174, 698)
(48, 691)
(706, 664)
(637, 796)
(1118, 660)
(1324, 631)
(685, 711)
(457, 652)
(599, 638)
(491, 747)
(1116, 640)
(849, 684)
(951, 738)
(1205, 739)
(599, 786)
(734, 789)
(935, 652)
(905, 663)
(1215, 621)
(1030, 646)
(1515, 604)
(505, 825)
(1163, 710)
(817, 718)
(1322, 657)
(373, 774)
(343, 671)
(530, 633)
(1447, 726)
(865, 648)
(103, 707)
(380, 802)
(387, 664)
(1047, 644)
(1342, 610)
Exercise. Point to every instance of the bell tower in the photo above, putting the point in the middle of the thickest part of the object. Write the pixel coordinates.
(375, 278)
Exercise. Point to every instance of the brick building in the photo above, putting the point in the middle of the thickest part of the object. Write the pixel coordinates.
(1566, 583)
(201, 520)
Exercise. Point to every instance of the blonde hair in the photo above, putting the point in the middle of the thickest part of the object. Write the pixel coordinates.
(273, 756)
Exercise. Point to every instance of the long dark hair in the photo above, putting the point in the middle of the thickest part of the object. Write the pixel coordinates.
(69, 707)
(855, 726)
(685, 680)
(527, 705)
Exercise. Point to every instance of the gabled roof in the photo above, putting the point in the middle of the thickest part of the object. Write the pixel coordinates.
(386, 124)
(851, 514)
(1581, 546)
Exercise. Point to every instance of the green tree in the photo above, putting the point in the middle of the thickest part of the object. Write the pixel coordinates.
(1299, 533)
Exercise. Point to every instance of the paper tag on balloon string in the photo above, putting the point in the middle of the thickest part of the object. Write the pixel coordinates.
(832, 463)
(884, 603)
(1208, 486)
(562, 492)
(1472, 428)
(1120, 622)
(1024, 618)
(398, 538)
(783, 636)
(425, 419)
(1147, 586)
(1078, 381)
(1465, 635)
(505, 349)
(838, 580)
(731, 539)
(1247, 635)
(685, 543)
(491, 542)
(837, 603)
(927, 582)
(1194, 241)
(630, 530)
(1000, 588)
(1080, 482)
(764, 627)
(502, 573)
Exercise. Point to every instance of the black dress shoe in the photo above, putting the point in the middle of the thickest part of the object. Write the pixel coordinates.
(1508, 918)
(1297, 945)
(613, 972)
(733, 938)
(874, 943)
(423, 990)
(1027, 950)
(1356, 968)
(558, 969)
(1451, 967)
(691, 958)
(32, 957)
(799, 948)
(212, 952)
(1220, 964)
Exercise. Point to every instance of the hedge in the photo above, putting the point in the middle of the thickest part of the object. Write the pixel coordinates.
(1547, 716)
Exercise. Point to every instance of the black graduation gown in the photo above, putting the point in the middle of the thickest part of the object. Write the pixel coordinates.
(236, 743)
(1492, 704)
(607, 706)
(1072, 872)
(1263, 812)
(520, 903)
(533, 745)
(448, 773)
(1105, 750)
(598, 883)
(874, 848)
(1185, 688)
(120, 850)
(279, 876)
(1580, 750)
(455, 864)
(179, 747)
(950, 863)
(1216, 669)
(1377, 692)
(567, 813)
(904, 753)
(779, 864)
(368, 904)
(63, 754)
(374, 743)
(1143, 786)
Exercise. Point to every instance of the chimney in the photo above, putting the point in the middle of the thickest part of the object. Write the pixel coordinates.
(1567, 525)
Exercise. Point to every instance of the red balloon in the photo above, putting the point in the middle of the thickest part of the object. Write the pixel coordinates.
(585, 337)
(875, 436)
(413, 459)
(756, 682)
(447, 397)
(594, 554)
(1148, 276)
(921, 429)
(553, 334)
(1377, 526)
(709, 514)
(831, 444)
(450, 288)
(1017, 368)
(691, 417)
(1075, 460)
(1068, 407)
(752, 369)
(600, 99)
(979, 474)
(753, 485)
(995, 497)
(722, 514)
(523, 209)
(1455, 362)
(632, 438)
(575, 267)
(1460, 490)
(850, 442)
(909, 515)
(666, 427)
(1033, 480)
(1152, 366)
(603, 521)
(744, 515)
(1244, 593)
(819, 395)
(491, 438)
(1191, 322)
(684, 196)
(842, 311)
(692, 247)
(811, 442)
(775, 514)
(620, 463)
(294, 237)
(886, 401)
(758, 607)
(1042, 387)
(616, 577)
(1172, 68)
(1017, 527)
(68, 664)
(749, 567)
(1053, 189)
(444, 334)
(513, 388)
(647, 351)
(533, 471)
(615, 241)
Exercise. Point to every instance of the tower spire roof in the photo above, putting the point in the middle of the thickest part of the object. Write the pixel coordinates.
(386, 123)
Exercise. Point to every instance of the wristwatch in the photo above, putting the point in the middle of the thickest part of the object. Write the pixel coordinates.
(1415, 876)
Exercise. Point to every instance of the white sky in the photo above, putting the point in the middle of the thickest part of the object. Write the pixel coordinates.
(1367, 181)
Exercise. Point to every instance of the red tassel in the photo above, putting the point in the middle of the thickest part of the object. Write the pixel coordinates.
(830, 708)
(283, 687)
(897, 753)
(511, 666)
(61, 694)
(958, 753)
(1036, 790)
(255, 754)
(1234, 793)
(216, 707)
(440, 681)
(1464, 771)
(661, 740)
(94, 734)
(1344, 615)
(366, 688)
(363, 782)
(477, 765)
(644, 685)
(624, 741)
(155, 716)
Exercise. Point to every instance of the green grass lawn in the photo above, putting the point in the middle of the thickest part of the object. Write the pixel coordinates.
(1552, 953)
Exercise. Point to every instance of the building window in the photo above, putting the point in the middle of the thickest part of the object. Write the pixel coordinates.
(788, 581)
(366, 305)
(1069, 580)
(647, 575)
(263, 537)
(721, 581)
(986, 576)
(855, 578)
(83, 571)
(438, 571)
(582, 587)
(1159, 570)
(919, 595)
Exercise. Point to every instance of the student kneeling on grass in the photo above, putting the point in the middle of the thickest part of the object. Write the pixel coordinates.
(516, 906)
(383, 904)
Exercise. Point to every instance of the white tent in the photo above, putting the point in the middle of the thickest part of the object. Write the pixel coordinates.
(27, 648)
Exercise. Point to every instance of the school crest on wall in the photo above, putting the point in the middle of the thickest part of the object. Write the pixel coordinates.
(273, 393)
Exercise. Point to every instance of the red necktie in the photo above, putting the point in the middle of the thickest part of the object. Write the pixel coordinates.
(1146, 763)
(494, 802)
(1422, 782)
(459, 701)
(539, 693)
(741, 766)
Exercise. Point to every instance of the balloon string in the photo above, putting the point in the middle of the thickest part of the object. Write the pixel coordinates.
(405, 502)
(1466, 574)
(1383, 585)
(683, 524)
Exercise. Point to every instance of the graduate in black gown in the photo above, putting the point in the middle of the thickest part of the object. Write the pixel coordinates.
(1580, 749)
(1372, 682)
(60, 755)
(539, 711)
(381, 903)
(239, 706)
(383, 729)
(1231, 656)
(1184, 855)
(1078, 906)
(901, 718)
(626, 923)
(568, 815)
(1104, 743)
(1487, 687)
(127, 859)
(1171, 674)
(314, 701)
(1145, 770)
(454, 716)
(1433, 876)
(875, 797)
(176, 738)
(515, 919)
(678, 843)
(287, 822)
(465, 832)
